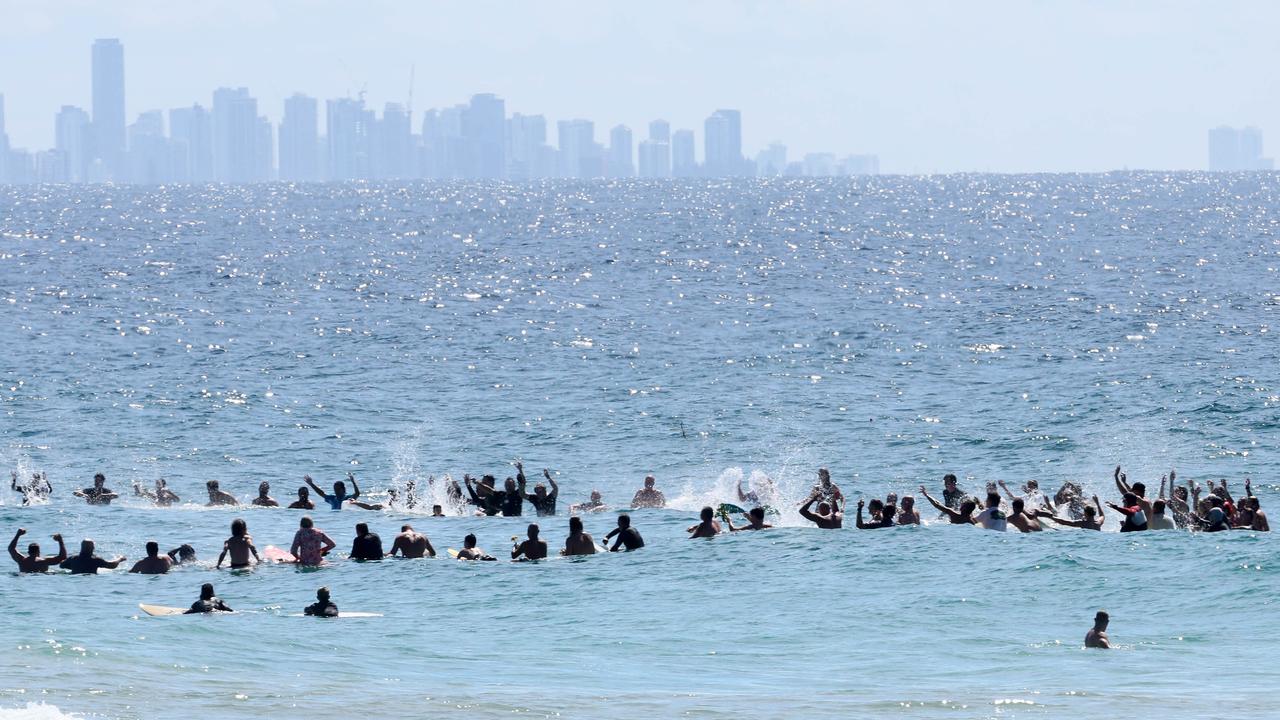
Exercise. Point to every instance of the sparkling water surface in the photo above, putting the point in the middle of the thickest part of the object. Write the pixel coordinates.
(893, 329)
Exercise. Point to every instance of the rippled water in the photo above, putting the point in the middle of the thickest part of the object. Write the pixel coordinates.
(894, 329)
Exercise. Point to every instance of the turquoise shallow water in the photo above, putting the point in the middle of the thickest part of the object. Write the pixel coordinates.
(893, 329)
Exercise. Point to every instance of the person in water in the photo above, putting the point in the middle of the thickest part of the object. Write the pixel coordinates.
(37, 489)
(99, 494)
(510, 499)
(828, 491)
(534, 548)
(86, 563)
(208, 602)
(992, 517)
(952, 496)
(956, 516)
(323, 606)
(1161, 518)
(1139, 491)
(761, 493)
(628, 536)
(304, 500)
(595, 504)
(340, 495)
(470, 551)
(239, 546)
(218, 497)
(828, 515)
(908, 515)
(706, 527)
(411, 544)
(579, 541)
(1097, 636)
(264, 498)
(1135, 518)
(310, 544)
(483, 494)
(1092, 517)
(648, 496)
(437, 511)
(885, 520)
(154, 563)
(1020, 519)
(755, 521)
(543, 502)
(162, 496)
(33, 561)
(182, 554)
(367, 545)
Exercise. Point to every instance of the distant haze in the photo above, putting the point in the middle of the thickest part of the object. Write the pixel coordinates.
(929, 86)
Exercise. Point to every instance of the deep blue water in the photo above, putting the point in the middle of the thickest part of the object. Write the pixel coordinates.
(893, 329)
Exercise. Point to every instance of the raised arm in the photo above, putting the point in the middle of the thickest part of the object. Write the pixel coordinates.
(1005, 488)
(1122, 481)
(355, 495)
(1227, 492)
(1098, 505)
(62, 548)
(555, 489)
(954, 514)
(315, 488)
(806, 513)
(13, 545)
(521, 481)
(742, 497)
(1161, 495)
(13, 483)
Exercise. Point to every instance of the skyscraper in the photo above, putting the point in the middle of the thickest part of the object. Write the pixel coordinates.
(620, 153)
(394, 143)
(683, 161)
(148, 156)
(655, 153)
(580, 156)
(527, 150)
(1224, 149)
(191, 144)
(264, 149)
(71, 139)
(772, 161)
(722, 140)
(108, 104)
(1250, 157)
(348, 126)
(235, 136)
(300, 140)
(484, 127)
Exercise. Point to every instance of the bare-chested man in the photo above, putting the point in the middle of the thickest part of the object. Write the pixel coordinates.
(33, 562)
(1097, 636)
(707, 527)
(218, 496)
(470, 551)
(264, 498)
(412, 544)
(154, 563)
(533, 548)
(579, 541)
(99, 494)
(304, 500)
(87, 563)
(239, 546)
(755, 521)
(827, 517)
(648, 496)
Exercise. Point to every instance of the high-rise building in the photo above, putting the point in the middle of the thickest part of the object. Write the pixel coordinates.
(772, 161)
(620, 152)
(1251, 150)
(108, 104)
(860, 165)
(264, 150)
(348, 126)
(73, 143)
(148, 156)
(655, 153)
(191, 144)
(4, 145)
(1231, 150)
(722, 139)
(300, 140)
(580, 156)
(684, 162)
(527, 147)
(484, 128)
(394, 144)
(235, 136)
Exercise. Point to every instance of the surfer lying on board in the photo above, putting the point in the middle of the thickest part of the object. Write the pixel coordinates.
(411, 543)
(827, 517)
(628, 536)
(469, 550)
(579, 541)
(208, 602)
(32, 562)
(755, 521)
(532, 549)
(310, 544)
(595, 504)
(708, 527)
(323, 606)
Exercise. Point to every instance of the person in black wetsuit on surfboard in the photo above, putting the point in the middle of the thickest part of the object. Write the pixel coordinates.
(323, 606)
(208, 602)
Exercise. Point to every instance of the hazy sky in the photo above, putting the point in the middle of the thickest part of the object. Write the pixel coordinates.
(929, 86)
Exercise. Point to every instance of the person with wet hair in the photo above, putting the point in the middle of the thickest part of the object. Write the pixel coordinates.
(885, 519)
(907, 513)
(755, 521)
(956, 516)
(1135, 518)
(992, 517)
(99, 494)
(304, 500)
(323, 606)
(827, 515)
(33, 561)
(239, 546)
(264, 498)
(534, 548)
(1020, 519)
(470, 551)
(648, 496)
(208, 602)
(579, 541)
(217, 496)
(1097, 636)
(543, 502)
(1092, 520)
(628, 536)
(86, 563)
(154, 563)
(310, 544)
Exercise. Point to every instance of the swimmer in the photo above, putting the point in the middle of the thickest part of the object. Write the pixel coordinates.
(579, 541)
(411, 543)
(544, 503)
(707, 527)
(304, 500)
(339, 495)
(154, 563)
(1097, 637)
(219, 497)
(471, 552)
(532, 549)
(86, 563)
(99, 494)
(826, 489)
(628, 536)
(1092, 517)
(1021, 519)
(1135, 518)
(648, 496)
(885, 520)
(595, 504)
(208, 602)
(1031, 495)
(264, 499)
(162, 496)
(1215, 520)
(1070, 495)
(182, 554)
(1160, 518)
(952, 495)
(1139, 491)
(239, 546)
(33, 562)
(437, 511)
(908, 515)
(482, 494)
(310, 544)
(37, 489)
(992, 517)
(828, 515)
(961, 516)
(510, 499)
(323, 606)
(367, 545)
(755, 521)
(762, 492)
(453, 491)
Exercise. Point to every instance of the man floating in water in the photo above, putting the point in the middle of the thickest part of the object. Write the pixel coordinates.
(648, 496)
(208, 602)
(99, 494)
(323, 606)
(33, 562)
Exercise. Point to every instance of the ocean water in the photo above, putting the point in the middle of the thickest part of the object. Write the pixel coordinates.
(892, 329)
